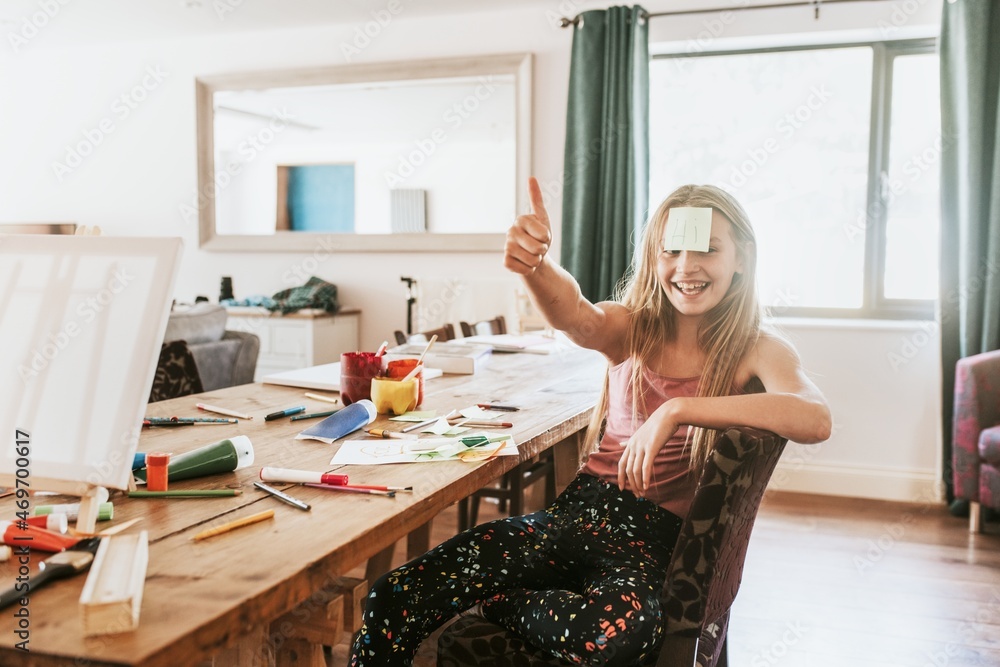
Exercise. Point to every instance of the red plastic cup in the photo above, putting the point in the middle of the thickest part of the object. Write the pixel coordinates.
(400, 368)
(356, 372)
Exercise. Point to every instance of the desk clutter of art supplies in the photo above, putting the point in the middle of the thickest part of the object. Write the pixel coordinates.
(251, 499)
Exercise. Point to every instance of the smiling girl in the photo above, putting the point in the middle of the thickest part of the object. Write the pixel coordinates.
(685, 350)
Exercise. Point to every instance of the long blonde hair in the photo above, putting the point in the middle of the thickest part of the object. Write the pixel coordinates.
(728, 332)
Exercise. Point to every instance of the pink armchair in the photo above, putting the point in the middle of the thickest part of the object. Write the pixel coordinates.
(976, 434)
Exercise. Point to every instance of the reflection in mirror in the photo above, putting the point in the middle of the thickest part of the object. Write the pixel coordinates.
(411, 156)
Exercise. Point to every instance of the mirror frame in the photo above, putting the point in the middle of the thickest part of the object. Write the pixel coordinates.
(518, 64)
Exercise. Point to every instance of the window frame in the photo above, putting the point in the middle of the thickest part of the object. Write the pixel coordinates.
(875, 305)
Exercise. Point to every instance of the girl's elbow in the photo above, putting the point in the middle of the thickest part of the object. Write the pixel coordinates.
(824, 426)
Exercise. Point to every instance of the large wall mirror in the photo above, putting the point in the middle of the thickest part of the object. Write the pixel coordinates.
(419, 155)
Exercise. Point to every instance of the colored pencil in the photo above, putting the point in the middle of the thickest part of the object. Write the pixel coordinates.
(320, 397)
(354, 489)
(186, 493)
(232, 525)
(480, 423)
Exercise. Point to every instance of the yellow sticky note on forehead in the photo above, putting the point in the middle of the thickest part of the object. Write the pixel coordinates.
(688, 228)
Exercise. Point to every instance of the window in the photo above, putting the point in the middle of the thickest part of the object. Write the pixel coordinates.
(834, 153)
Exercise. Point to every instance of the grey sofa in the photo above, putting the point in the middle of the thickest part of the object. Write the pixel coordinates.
(224, 358)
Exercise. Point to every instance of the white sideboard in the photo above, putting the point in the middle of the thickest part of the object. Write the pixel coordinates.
(306, 338)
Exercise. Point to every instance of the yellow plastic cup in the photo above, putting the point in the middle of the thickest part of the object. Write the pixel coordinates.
(394, 395)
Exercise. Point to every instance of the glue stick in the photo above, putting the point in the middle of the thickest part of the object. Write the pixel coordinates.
(105, 511)
(156, 471)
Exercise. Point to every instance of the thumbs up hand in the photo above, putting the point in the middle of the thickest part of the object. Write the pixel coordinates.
(529, 237)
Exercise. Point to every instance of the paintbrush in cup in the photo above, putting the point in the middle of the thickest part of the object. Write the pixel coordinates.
(413, 373)
(420, 359)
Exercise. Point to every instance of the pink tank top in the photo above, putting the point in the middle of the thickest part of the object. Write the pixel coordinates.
(673, 484)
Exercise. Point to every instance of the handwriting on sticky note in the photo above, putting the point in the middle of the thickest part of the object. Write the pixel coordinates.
(688, 228)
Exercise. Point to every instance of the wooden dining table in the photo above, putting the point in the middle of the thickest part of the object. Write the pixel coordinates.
(268, 592)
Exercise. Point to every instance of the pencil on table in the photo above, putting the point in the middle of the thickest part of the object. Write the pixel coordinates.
(232, 525)
(320, 397)
(480, 423)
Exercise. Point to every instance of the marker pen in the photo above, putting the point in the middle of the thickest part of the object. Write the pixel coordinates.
(35, 537)
(285, 413)
(301, 477)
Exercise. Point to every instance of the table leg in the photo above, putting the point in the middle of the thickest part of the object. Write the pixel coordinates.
(250, 650)
(418, 542)
(297, 652)
(565, 453)
(380, 563)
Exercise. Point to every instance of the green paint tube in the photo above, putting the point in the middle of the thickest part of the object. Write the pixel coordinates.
(223, 456)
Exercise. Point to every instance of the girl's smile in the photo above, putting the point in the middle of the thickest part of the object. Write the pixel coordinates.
(695, 282)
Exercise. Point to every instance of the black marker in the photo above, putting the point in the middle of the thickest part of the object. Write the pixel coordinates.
(285, 413)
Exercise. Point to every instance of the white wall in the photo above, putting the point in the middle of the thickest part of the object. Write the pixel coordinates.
(139, 175)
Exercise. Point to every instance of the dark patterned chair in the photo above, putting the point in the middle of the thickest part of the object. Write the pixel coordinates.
(976, 434)
(702, 580)
(224, 358)
(176, 373)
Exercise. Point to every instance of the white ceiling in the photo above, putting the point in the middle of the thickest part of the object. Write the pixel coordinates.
(112, 20)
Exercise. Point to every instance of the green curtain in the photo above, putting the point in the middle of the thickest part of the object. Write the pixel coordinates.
(970, 192)
(606, 168)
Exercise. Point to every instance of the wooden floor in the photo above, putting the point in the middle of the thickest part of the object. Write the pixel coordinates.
(835, 582)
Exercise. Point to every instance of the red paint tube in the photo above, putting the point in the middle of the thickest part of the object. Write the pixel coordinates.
(34, 537)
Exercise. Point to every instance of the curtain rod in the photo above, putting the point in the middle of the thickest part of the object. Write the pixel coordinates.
(815, 4)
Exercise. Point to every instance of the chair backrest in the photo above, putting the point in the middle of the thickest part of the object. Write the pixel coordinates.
(498, 325)
(707, 564)
(446, 332)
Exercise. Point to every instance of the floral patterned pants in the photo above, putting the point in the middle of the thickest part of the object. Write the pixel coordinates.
(581, 579)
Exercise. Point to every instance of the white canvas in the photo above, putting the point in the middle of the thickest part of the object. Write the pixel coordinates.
(81, 323)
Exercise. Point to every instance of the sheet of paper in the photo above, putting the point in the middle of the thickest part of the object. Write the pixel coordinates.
(442, 427)
(376, 452)
(688, 228)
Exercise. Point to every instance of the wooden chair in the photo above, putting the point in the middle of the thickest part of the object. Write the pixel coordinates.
(498, 325)
(510, 491)
(447, 332)
(702, 579)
